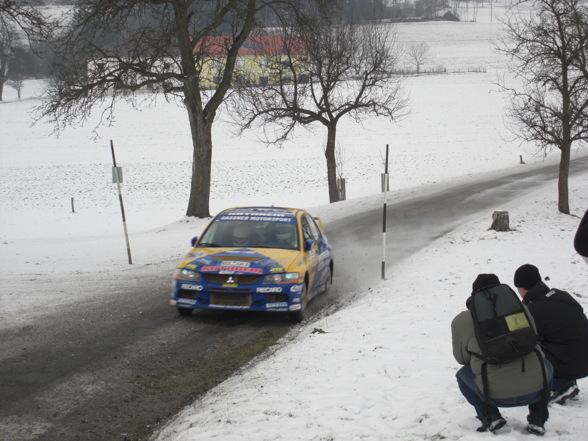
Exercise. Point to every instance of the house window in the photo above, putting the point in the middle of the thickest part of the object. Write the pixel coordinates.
(252, 45)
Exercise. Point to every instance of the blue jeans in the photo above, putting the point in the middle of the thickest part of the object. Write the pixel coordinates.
(537, 406)
(561, 384)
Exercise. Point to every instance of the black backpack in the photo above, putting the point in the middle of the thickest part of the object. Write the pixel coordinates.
(504, 332)
(502, 325)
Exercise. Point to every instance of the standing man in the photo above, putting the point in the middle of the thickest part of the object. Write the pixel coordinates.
(509, 384)
(562, 328)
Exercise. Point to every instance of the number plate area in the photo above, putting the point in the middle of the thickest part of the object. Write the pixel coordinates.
(230, 299)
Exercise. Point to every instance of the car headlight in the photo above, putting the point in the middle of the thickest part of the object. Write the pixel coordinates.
(187, 275)
(275, 279)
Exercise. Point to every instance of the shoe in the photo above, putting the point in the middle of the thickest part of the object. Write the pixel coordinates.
(565, 394)
(535, 425)
(492, 426)
(536, 429)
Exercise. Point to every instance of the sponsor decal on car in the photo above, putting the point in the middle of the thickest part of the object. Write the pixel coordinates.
(269, 289)
(187, 287)
(230, 269)
(228, 307)
(296, 289)
(186, 301)
(295, 307)
(236, 263)
(277, 305)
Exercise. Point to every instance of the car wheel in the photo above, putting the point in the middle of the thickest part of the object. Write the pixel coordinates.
(185, 312)
(298, 316)
(328, 280)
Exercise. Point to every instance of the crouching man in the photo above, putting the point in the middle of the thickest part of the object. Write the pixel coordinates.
(511, 384)
(562, 327)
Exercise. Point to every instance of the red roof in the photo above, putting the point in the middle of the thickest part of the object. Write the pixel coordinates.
(274, 45)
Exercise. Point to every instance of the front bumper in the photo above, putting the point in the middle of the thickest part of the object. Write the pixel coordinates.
(274, 298)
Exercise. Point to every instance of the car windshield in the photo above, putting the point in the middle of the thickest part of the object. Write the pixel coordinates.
(281, 233)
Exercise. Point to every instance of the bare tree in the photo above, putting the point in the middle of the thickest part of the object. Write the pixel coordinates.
(20, 20)
(16, 84)
(346, 70)
(8, 42)
(25, 15)
(549, 52)
(417, 54)
(113, 49)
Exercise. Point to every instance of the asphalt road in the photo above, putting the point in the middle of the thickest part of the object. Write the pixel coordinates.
(117, 367)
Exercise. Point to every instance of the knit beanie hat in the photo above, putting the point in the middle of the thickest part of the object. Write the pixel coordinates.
(526, 276)
(484, 281)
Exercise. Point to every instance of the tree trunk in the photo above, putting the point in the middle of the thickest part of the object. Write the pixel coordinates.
(2, 75)
(562, 183)
(500, 221)
(198, 203)
(332, 164)
(565, 147)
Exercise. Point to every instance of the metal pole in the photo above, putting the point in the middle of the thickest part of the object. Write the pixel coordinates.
(384, 217)
(122, 207)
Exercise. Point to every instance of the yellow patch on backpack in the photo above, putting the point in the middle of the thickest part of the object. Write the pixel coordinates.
(516, 321)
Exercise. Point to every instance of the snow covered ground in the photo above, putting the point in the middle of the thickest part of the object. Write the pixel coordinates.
(382, 367)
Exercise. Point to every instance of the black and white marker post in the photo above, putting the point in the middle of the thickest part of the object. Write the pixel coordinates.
(385, 189)
(115, 172)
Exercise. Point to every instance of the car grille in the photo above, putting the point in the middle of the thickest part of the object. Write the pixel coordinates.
(230, 299)
(223, 278)
(188, 294)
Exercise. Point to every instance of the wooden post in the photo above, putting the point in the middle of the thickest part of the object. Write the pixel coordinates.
(341, 188)
(500, 221)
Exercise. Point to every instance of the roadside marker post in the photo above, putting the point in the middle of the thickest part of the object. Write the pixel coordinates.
(116, 173)
(385, 189)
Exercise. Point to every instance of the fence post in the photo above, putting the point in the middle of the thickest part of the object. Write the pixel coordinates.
(341, 189)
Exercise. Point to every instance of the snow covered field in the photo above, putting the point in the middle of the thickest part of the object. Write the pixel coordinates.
(383, 367)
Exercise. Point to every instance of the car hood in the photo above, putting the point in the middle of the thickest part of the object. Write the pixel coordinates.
(242, 260)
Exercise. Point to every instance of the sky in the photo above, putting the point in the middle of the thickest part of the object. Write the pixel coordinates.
(379, 368)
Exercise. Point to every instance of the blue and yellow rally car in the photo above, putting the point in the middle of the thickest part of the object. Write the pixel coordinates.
(255, 259)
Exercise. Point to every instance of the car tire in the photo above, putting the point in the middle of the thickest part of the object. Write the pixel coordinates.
(328, 281)
(185, 312)
(298, 316)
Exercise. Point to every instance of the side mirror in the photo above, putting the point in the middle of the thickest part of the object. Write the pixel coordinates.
(194, 240)
(308, 244)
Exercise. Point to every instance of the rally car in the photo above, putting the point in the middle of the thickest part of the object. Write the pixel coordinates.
(255, 259)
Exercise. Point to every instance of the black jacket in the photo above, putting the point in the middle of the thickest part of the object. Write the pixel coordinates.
(581, 238)
(562, 328)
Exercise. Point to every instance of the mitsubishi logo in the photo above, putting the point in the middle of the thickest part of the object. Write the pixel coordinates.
(231, 280)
